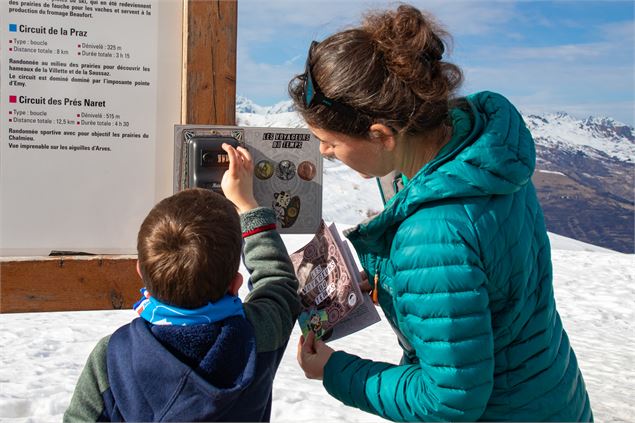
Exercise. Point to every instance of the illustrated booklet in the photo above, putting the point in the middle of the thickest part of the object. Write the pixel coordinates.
(329, 287)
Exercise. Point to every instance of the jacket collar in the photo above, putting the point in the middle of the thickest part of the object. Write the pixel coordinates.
(491, 153)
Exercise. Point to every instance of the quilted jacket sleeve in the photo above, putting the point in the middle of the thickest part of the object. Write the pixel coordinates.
(439, 294)
(273, 305)
(87, 404)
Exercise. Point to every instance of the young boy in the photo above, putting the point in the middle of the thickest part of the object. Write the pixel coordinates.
(197, 353)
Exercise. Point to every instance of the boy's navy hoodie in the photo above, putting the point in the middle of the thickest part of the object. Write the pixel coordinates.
(218, 372)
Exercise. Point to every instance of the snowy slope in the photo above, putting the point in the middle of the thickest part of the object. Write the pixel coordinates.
(43, 353)
(597, 137)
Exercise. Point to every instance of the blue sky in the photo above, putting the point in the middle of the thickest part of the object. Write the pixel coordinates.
(571, 56)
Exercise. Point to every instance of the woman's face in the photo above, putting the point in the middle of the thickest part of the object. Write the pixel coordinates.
(365, 156)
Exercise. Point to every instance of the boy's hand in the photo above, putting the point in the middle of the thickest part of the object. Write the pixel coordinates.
(237, 183)
(313, 356)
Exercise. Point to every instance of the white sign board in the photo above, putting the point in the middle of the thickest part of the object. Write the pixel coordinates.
(90, 94)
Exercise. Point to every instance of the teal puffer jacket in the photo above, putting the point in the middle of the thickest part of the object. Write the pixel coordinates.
(465, 279)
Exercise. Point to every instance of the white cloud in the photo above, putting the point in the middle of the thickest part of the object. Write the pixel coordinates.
(262, 80)
(472, 17)
(622, 32)
(578, 90)
(564, 52)
(261, 20)
(569, 76)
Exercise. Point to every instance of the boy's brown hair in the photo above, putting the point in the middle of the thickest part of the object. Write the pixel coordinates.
(189, 248)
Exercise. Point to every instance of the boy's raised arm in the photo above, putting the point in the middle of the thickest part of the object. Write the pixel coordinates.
(273, 302)
(273, 305)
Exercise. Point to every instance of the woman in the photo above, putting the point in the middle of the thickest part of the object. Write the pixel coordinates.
(460, 257)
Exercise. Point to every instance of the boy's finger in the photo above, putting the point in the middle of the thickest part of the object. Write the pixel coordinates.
(245, 153)
(233, 161)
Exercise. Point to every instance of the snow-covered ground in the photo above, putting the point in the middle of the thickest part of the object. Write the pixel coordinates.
(43, 353)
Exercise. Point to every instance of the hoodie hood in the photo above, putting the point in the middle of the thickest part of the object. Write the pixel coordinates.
(491, 153)
(203, 369)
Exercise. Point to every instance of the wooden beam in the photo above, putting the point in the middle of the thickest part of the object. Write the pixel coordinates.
(68, 283)
(209, 50)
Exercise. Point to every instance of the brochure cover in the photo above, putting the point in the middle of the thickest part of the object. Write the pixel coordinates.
(287, 168)
(333, 305)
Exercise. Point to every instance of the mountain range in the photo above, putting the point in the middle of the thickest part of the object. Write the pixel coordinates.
(585, 172)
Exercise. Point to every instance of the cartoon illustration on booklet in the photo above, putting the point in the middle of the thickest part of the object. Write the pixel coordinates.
(333, 303)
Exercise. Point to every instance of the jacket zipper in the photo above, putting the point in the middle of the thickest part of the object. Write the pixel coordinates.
(375, 292)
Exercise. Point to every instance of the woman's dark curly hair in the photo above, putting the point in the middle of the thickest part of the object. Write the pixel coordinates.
(390, 69)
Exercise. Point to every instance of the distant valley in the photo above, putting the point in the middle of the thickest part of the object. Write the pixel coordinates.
(585, 178)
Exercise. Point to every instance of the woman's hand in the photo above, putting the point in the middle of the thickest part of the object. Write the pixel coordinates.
(238, 181)
(313, 356)
(365, 285)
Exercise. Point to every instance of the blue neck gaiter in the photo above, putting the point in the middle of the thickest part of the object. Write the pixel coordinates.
(158, 313)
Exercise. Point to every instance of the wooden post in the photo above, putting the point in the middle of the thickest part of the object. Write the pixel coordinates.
(209, 52)
(106, 282)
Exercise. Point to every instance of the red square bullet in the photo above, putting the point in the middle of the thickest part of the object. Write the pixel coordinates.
(13, 99)
(78, 115)
(10, 112)
(10, 49)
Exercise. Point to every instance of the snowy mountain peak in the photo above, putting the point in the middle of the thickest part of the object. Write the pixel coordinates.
(601, 121)
(531, 118)
(245, 105)
(609, 127)
(601, 137)
(281, 107)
